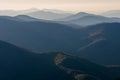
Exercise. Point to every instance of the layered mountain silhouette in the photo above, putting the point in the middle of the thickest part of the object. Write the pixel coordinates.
(46, 14)
(85, 19)
(20, 64)
(97, 43)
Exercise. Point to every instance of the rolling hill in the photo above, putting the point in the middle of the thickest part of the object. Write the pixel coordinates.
(102, 44)
(38, 35)
(20, 64)
(97, 43)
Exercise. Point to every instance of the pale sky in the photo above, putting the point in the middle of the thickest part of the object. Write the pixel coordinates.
(67, 5)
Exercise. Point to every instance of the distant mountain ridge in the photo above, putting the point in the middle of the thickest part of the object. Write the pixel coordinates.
(46, 14)
(21, 18)
(85, 19)
(75, 16)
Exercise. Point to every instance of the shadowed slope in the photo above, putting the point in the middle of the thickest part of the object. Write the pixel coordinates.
(102, 43)
(19, 64)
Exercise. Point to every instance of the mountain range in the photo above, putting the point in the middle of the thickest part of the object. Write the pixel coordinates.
(20, 64)
(46, 14)
(95, 43)
(86, 19)
(56, 45)
(80, 18)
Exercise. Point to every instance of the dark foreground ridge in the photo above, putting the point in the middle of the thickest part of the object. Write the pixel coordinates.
(20, 64)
